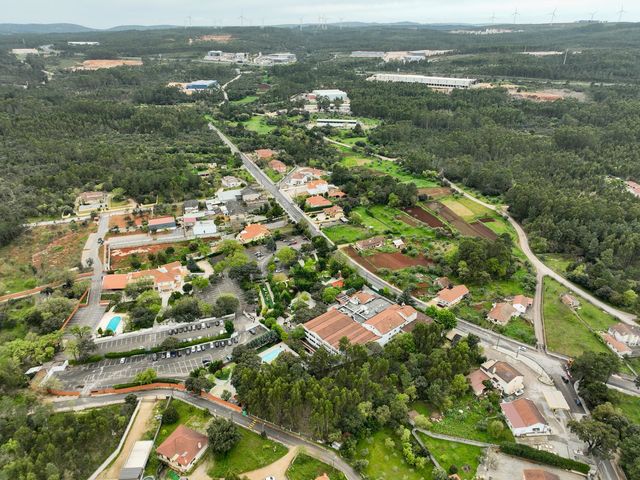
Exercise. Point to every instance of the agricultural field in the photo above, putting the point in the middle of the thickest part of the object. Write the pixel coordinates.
(41, 255)
(259, 125)
(466, 208)
(393, 169)
(245, 100)
(559, 320)
(340, 234)
(390, 261)
(465, 457)
(382, 219)
(305, 467)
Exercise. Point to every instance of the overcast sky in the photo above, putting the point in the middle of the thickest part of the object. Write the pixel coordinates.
(108, 13)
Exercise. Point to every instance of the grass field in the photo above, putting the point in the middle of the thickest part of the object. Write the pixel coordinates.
(467, 208)
(465, 457)
(251, 452)
(557, 261)
(629, 405)
(305, 467)
(41, 255)
(346, 233)
(393, 169)
(380, 219)
(565, 332)
(245, 100)
(355, 160)
(388, 463)
(258, 124)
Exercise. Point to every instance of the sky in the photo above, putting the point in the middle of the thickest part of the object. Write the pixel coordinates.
(108, 13)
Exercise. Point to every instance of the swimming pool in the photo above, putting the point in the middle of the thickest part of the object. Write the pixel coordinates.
(113, 323)
(268, 357)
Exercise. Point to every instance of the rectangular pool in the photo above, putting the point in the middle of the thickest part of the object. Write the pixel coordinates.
(268, 357)
(114, 323)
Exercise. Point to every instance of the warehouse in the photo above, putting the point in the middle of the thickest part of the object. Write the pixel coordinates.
(201, 85)
(434, 82)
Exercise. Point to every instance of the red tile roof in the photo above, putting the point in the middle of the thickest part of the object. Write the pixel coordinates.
(264, 153)
(450, 295)
(183, 445)
(333, 211)
(253, 231)
(538, 474)
(619, 347)
(475, 379)
(316, 184)
(161, 221)
(336, 193)
(278, 166)
(522, 413)
(332, 325)
(317, 201)
(501, 313)
(362, 297)
(117, 281)
(390, 318)
(522, 300)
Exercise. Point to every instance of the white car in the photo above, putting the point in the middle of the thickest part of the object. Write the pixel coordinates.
(269, 478)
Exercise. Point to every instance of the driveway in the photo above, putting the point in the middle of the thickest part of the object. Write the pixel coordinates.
(498, 466)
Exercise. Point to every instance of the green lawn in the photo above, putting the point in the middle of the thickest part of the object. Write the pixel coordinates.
(346, 233)
(557, 261)
(188, 415)
(258, 124)
(520, 329)
(467, 208)
(629, 405)
(355, 160)
(465, 457)
(388, 463)
(251, 453)
(382, 219)
(348, 140)
(245, 100)
(305, 467)
(393, 169)
(565, 332)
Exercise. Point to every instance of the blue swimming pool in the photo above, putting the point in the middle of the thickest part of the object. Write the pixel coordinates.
(113, 323)
(269, 357)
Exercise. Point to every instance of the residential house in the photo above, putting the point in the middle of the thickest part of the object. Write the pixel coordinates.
(501, 313)
(230, 181)
(205, 228)
(317, 187)
(633, 187)
(250, 195)
(264, 153)
(627, 334)
(522, 303)
(476, 380)
(191, 206)
(183, 448)
(189, 222)
(524, 418)
(277, 166)
(166, 278)
(317, 201)
(253, 232)
(88, 201)
(570, 301)
(618, 347)
(331, 214)
(538, 474)
(398, 243)
(336, 193)
(369, 243)
(390, 321)
(505, 377)
(161, 223)
(449, 297)
(225, 196)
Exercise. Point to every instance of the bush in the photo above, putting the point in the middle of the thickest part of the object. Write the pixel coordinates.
(170, 415)
(541, 456)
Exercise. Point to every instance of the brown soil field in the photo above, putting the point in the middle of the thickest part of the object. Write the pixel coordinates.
(409, 220)
(391, 261)
(119, 255)
(450, 216)
(484, 231)
(215, 38)
(435, 192)
(98, 64)
(120, 220)
(486, 220)
(424, 216)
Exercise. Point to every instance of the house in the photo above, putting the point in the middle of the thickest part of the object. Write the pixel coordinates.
(277, 166)
(205, 228)
(191, 206)
(336, 193)
(501, 313)
(524, 418)
(570, 301)
(327, 329)
(390, 321)
(264, 153)
(250, 195)
(398, 243)
(332, 213)
(230, 181)
(253, 232)
(88, 201)
(369, 243)
(133, 469)
(443, 282)
(317, 201)
(538, 474)
(182, 449)
(476, 380)
(189, 221)
(505, 377)
(225, 196)
(448, 297)
(627, 334)
(522, 303)
(162, 223)
(317, 187)
(633, 188)
(166, 278)
(201, 85)
(618, 347)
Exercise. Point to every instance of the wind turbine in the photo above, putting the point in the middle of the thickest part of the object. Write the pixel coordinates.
(242, 19)
(553, 15)
(591, 15)
(515, 15)
(493, 18)
(620, 12)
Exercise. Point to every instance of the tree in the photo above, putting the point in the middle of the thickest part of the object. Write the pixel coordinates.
(226, 304)
(170, 415)
(170, 343)
(223, 435)
(286, 255)
(405, 297)
(200, 283)
(226, 395)
(601, 439)
(146, 376)
(595, 367)
(329, 294)
(495, 428)
(133, 289)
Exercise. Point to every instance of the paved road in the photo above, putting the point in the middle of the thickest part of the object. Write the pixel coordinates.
(283, 436)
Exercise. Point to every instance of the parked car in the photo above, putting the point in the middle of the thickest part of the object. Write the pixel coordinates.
(193, 349)
(235, 340)
(217, 323)
(122, 360)
(564, 379)
(187, 351)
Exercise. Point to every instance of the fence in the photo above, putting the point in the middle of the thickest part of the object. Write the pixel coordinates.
(75, 310)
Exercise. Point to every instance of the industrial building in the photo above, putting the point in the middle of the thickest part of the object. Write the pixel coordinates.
(201, 85)
(331, 94)
(336, 123)
(433, 82)
(282, 58)
(226, 57)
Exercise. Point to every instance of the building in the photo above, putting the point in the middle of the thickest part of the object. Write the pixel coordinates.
(501, 313)
(226, 57)
(522, 303)
(633, 188)
(317, 201)
(331, 214)
(366, 54)
(230, 181)
(201, 85)
(225, 196)
(264, 153)
(25, 51)
(282, 58)
(446, 83)
(277, 166)
(443, 282)
(524, 418)
(538, 474)
(88, 201)
(317, 187)
(303, 175)
(337, 123)
(389, 322)
(618, 347)
(191, 206)
(369, 243)
(188, 222)
(253, 232)
(250, 195)
(162, 223)
(448, 297)
(627, 334)
(570, 301)
(205, 228)
(336, 193)
(504, 377)
(183, 448)
(166, 278)
(332, 95)
(327, 330)
(476, 380)
(133, 469)
(79, 44)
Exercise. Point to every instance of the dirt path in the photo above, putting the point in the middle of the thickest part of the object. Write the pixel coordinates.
(277, 469)
(138, 429)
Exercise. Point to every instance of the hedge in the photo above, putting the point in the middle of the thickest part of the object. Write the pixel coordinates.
(541, 456)
(119, 386)
(270, 337)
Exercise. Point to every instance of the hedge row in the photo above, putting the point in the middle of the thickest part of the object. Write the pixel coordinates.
(541, 456)
(119, 386)
(264, 339)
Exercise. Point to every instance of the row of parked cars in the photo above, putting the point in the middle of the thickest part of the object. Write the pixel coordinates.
(195, 348)
(194, 326)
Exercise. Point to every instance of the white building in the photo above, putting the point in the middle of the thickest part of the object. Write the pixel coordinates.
(133, 469)
(78, 44)
(331, 94)
(337, 123)
(231, 182)
(627, 334)
(434, 82)
(205, 228)
(524, 418)
(282, 58)
(504, 377)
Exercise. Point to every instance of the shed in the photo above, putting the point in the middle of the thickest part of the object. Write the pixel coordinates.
(555, 399)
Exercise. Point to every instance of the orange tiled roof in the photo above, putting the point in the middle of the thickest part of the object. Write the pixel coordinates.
(522, 300)
(265, 153)
(522, 413)
(332, 325)
(502, 313)
(253, 231)
(390, 318)
(183, 445)
(317, 201)
(452, 294)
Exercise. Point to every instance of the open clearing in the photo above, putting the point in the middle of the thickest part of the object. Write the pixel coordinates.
(259, 125)
(470, 230)
(305, 467)
(98, 64)
(465, 457)
(435, 192)
(394, 170)
(391, 261)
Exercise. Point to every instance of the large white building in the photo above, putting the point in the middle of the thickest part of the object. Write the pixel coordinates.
(282, 58)
(524, 418)
(331, 94)
(434, 82)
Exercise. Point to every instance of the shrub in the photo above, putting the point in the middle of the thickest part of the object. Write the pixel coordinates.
(541, 456)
